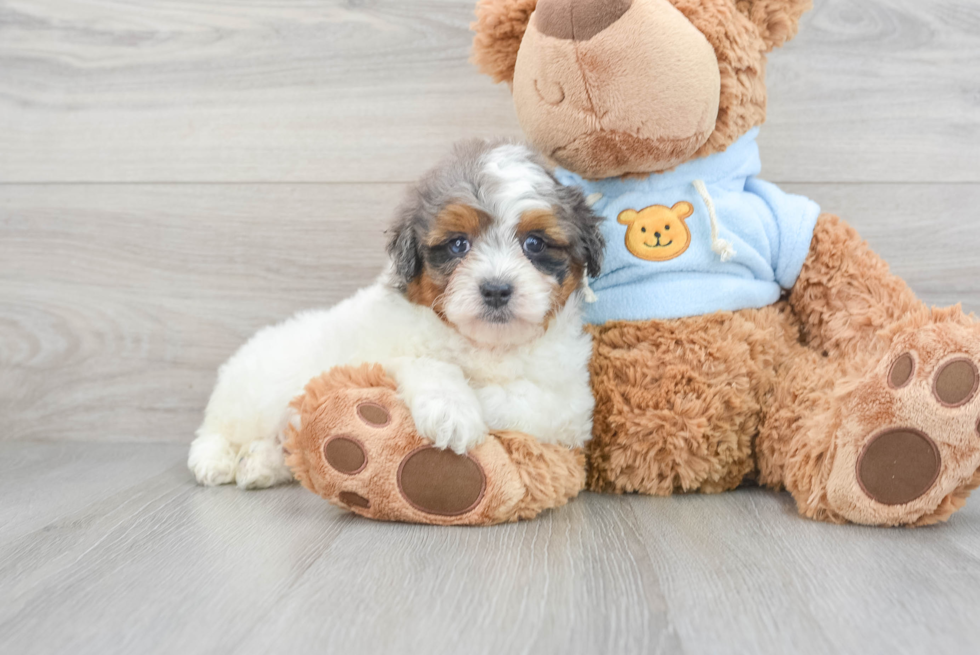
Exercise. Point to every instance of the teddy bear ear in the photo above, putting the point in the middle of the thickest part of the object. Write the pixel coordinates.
(500, 27)
(777, 20)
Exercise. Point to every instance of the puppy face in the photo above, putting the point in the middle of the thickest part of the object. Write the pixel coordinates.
(493, 243)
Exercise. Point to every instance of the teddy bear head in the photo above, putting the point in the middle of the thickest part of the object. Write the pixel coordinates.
(616, 87)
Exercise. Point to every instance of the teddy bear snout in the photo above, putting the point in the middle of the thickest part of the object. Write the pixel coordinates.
(582, 100)
(578, 20)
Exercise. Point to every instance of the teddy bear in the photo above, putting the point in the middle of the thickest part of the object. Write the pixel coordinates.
(740, 333)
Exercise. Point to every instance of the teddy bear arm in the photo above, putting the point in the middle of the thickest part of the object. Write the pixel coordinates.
(845, 293)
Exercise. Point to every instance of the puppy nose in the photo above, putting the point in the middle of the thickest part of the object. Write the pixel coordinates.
(578, 20)
(496, 294)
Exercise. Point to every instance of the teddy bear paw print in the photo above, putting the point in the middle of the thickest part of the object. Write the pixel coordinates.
(908, 450)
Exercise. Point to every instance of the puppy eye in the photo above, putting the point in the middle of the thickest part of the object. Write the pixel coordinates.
(459, 246)
(534, 245)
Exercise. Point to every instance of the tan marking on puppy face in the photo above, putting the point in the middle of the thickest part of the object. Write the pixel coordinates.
(565, 290)
(556, 261)
(427, 291)
(457, 219)
(545, 222)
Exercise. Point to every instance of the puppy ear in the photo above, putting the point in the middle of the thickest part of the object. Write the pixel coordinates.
(587, 243)
(777, 20)
(500, 27)
(405, 247)
(595, 246)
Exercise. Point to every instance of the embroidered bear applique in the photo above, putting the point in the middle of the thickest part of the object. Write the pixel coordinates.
(658, 233)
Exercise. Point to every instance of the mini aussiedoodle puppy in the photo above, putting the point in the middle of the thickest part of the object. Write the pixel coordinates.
(474, 330)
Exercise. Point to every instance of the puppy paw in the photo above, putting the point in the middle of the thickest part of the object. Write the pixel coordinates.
(449, 422)
(212, 460)
(261, 465)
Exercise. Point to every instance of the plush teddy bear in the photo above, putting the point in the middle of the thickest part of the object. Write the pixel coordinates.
(738, 332)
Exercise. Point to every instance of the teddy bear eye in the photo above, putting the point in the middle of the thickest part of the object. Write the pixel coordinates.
(666, 227)
(643, 229)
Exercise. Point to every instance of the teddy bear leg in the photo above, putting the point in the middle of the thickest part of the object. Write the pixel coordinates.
(353, 441)
(883, 440)
(904, 363)
(845, 293)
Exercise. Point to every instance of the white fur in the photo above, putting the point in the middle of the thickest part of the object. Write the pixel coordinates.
(521, 182)
(456, 390)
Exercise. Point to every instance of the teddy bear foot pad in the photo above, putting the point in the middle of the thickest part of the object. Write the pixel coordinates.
(433, 481)
(920, 464)
(357, 447)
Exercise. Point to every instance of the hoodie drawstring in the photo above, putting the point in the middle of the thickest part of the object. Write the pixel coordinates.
(721, 247)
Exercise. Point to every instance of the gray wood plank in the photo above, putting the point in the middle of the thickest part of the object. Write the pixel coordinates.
(44, 483)
(219, 90)
(158, 567)
(117, 303)
(927, 233)
(743, 574)
(877, 91)
(95, 90)
(162, 566)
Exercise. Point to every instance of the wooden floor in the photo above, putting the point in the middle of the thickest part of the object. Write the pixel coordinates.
(176, 174)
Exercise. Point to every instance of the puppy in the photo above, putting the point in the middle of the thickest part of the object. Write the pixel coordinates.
(477, 319)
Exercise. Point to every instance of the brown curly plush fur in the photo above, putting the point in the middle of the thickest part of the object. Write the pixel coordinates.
(551, 475)
(740, 50)
(499, 28)
(776, 20)
(678, 403)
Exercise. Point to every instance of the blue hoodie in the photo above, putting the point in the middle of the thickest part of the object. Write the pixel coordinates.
(670, 266)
